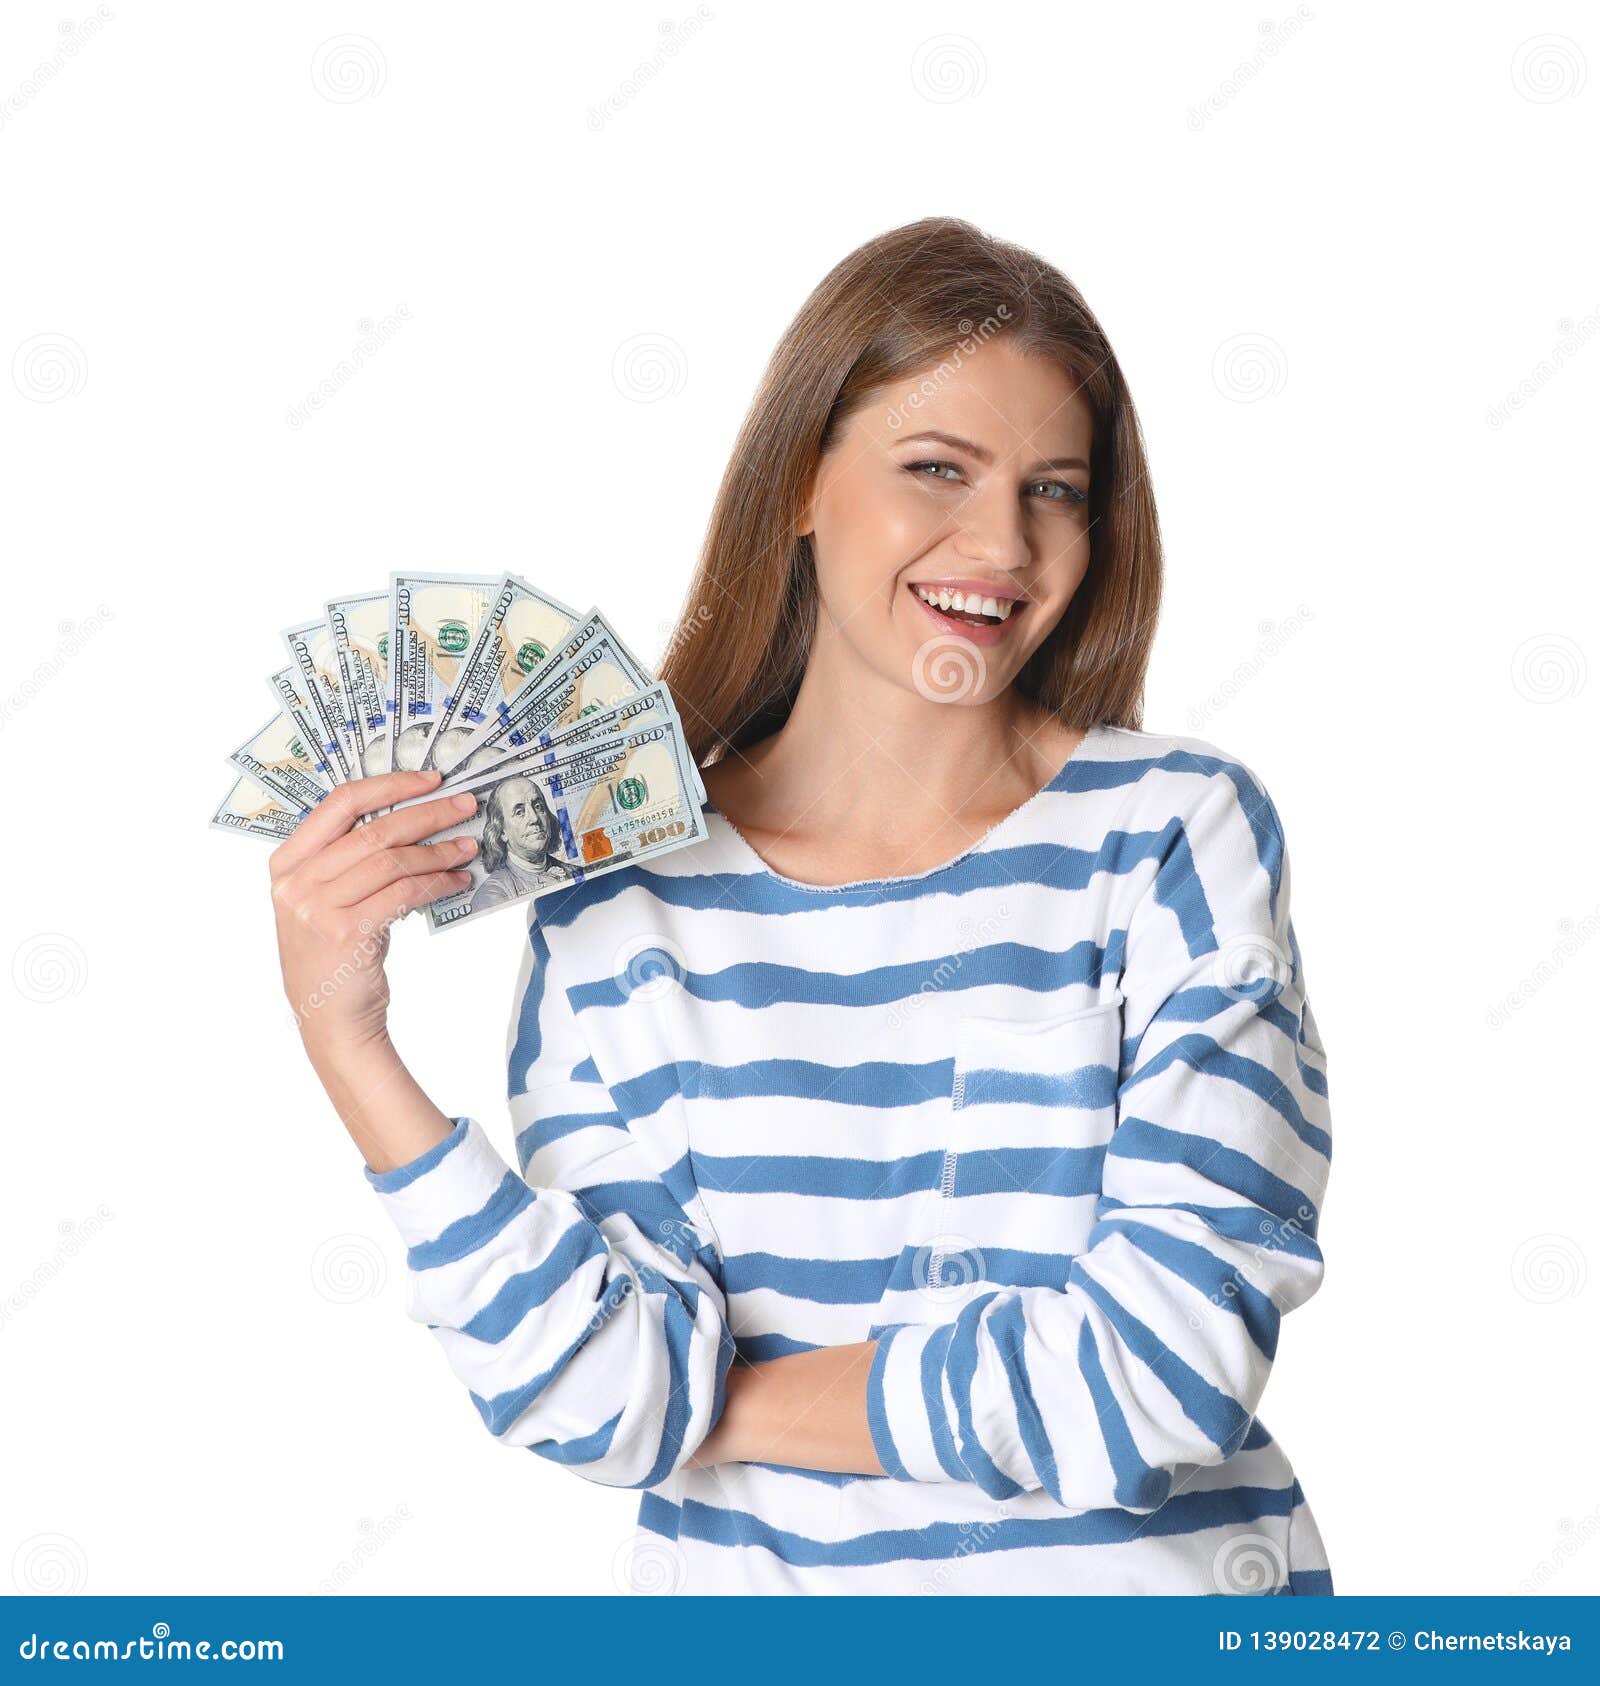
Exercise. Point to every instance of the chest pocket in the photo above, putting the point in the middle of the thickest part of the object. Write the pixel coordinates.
(1033, 1103)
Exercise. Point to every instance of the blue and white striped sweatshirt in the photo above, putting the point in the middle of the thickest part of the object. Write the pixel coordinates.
(1049, 1122)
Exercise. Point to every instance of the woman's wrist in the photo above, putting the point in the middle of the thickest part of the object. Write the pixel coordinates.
(389, 1117)
(807, 1409)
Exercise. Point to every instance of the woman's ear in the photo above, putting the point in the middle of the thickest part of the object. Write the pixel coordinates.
(805, 522)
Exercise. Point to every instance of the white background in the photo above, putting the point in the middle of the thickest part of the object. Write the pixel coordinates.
(1327, 245)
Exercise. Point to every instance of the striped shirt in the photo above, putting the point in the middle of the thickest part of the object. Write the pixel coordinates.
(1048, 1122)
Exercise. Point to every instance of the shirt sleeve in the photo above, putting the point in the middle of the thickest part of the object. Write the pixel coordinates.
(581, 1307)
(1155, 1351)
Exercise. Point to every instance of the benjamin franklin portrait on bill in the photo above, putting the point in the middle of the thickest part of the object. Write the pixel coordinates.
(519, 844)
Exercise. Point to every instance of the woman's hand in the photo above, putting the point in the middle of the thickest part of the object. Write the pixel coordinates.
(337, 888)
(807, 1410)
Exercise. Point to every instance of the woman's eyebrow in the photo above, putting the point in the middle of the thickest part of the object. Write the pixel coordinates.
(983, 454)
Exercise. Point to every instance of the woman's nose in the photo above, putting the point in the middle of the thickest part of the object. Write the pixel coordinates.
(992, 530)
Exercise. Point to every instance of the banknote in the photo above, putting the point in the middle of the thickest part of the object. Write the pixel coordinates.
(277, 757)
(286, 691)
(253, 812)
(433, 620)
(316, 668)
(638, 708)
(590, 669)
(518, 631)
(548, 819)
(359, 625)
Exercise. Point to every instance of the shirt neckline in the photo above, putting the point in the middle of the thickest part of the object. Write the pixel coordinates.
(985, 841)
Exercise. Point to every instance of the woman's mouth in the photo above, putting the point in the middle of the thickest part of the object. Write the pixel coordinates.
(977, 615)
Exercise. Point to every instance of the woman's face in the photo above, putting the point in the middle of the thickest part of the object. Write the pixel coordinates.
(993, 507)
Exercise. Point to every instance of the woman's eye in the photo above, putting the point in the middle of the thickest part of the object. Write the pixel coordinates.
(1059, 491)
(921, 468)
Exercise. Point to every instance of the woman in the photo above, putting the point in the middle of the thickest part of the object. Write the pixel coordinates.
(914, 1173)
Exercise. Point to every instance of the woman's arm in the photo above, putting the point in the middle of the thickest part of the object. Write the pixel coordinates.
(808, 1410)
(1155, 1351)
(336, 889)
(589, 1331)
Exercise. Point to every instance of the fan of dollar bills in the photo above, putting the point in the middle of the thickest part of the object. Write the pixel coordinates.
(575, 753)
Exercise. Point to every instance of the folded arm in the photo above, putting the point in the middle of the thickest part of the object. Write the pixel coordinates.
(1155, 1351)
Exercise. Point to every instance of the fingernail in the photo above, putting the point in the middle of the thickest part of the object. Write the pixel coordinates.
(464, 803)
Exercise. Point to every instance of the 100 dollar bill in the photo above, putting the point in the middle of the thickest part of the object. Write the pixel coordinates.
(518, 631)
(278, 759)
(592, 669)
(548, 819)
(433, 620)
(248, 810)
(316, 670)
(359, 627)
(638, 708)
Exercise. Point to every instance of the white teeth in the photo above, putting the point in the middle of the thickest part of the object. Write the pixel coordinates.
(967, 602)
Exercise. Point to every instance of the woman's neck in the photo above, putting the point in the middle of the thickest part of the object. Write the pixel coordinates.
(864, 773)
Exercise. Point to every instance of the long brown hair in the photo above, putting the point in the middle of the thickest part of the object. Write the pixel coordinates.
(906, 303)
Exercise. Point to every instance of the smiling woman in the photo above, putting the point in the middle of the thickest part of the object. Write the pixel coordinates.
(976, 1297)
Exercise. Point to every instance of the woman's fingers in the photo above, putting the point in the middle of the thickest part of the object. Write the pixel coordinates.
(338, 812)
(367, 877)
(381, 910)
(384, 836)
